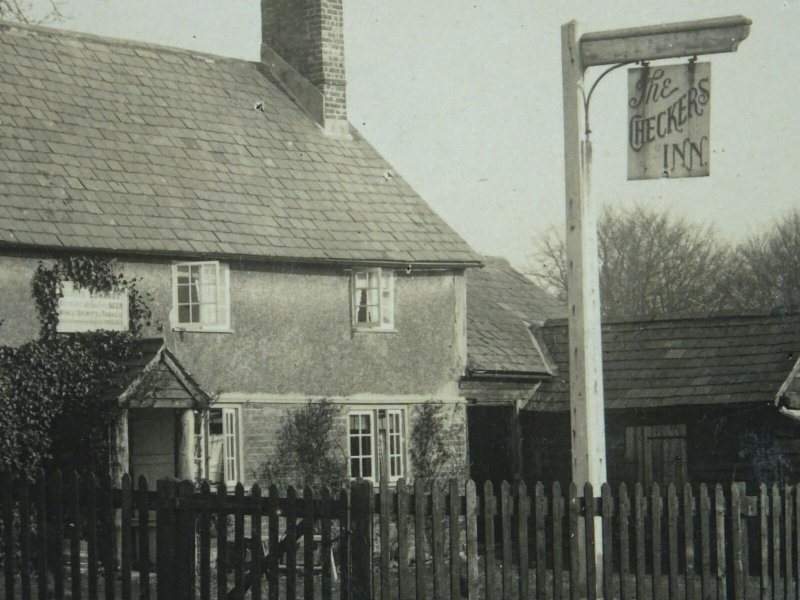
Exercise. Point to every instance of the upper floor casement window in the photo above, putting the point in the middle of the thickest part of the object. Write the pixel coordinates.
(373, 299)
(201, 296)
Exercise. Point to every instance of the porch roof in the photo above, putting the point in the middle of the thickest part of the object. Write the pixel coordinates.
(153, 377)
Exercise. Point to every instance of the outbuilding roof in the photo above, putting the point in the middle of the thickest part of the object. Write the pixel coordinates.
(502, 305)
(122, 146)
(690, 361)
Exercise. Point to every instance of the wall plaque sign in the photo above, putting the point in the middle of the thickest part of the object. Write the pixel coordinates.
(79, 310)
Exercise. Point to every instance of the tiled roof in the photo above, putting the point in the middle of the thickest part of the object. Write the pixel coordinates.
(725, 359)
(500, 301)
(107, 144)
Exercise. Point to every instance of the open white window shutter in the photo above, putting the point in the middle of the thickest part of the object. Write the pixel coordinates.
(387, 298)
(395, 441)
(224, 296)
(229, 433)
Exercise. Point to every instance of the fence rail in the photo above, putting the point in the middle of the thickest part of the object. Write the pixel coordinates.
(77, 536)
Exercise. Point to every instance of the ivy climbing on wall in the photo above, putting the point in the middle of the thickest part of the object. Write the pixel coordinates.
(56, 392)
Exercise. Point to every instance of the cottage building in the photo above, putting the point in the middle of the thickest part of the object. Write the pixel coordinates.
(286, 259)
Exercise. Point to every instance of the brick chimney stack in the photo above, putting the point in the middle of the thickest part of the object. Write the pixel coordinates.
(302, 44)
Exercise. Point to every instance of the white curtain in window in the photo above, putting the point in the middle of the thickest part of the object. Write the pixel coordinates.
(216, 458)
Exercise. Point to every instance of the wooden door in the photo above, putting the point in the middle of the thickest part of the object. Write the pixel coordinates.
(657, 454)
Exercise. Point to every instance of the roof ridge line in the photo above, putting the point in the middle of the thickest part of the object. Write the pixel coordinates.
(6, 25)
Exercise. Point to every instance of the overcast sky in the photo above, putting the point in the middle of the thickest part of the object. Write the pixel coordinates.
(464, 99)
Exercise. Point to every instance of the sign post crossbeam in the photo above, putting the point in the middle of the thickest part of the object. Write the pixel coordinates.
(673, 40)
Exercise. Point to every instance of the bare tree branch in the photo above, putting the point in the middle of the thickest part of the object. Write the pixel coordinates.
(767, 269)
(650, 264)
(22, 11)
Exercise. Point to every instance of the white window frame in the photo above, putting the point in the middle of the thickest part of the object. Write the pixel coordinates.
(360, 457)
(222, 295)
(395, 458)
(232, 445)
(395, 429)
(382, 315)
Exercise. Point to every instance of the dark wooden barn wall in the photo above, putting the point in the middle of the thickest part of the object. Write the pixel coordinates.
(741, 443)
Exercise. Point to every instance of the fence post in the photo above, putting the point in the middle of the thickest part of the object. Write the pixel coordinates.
(166, 537)
(186, 545)
(361, 540)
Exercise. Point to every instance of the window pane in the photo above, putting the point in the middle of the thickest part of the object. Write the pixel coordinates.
(359, 424)
(366, 445)
(366, 466)
(372, 297)
(183, 294)
(183, 314)
(195, 314)
(361, 306)
(208, 314)
(215, 421)
(354, 449)
(355, 468)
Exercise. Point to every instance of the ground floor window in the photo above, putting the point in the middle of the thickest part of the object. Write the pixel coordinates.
(377, 443)
(217, 438)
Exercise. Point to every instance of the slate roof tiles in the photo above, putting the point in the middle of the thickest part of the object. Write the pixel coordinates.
(667, 362)
(500, 301)
(107, 144)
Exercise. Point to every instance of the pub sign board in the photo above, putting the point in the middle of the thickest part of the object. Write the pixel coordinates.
(668, 121)
(80, 311)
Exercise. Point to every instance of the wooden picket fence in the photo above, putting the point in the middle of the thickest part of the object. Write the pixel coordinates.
(81, 538)
(699, 544)
(78, 537)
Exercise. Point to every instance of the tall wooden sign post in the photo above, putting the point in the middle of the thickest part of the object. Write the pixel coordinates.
(615, 48)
